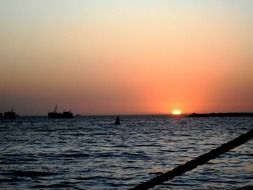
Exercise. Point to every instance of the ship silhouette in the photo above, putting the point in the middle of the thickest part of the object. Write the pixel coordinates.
(58, 115)
(8, 115)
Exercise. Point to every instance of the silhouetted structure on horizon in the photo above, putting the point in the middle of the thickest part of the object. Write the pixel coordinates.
(8, 115)
(117, 121)
(231, 114)
(57, 115)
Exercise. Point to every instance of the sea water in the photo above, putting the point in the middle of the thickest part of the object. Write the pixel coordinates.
(93, 153)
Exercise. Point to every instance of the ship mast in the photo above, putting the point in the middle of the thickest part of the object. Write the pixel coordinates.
(55, 108)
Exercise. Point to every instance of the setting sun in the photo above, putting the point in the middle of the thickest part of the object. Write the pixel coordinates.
(176, 112)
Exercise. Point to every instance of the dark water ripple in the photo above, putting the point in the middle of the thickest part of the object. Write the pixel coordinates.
(92, 153)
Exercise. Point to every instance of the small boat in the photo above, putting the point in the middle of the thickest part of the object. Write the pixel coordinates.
(57, 115)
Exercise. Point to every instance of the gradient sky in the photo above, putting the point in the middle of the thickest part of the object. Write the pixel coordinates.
(126, 56)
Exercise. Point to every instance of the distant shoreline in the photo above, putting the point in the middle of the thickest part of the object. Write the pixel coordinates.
(230, 114)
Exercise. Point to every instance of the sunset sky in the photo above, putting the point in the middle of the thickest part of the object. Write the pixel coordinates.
(126, 56)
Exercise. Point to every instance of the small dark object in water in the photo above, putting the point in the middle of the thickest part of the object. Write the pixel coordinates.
(117, 122)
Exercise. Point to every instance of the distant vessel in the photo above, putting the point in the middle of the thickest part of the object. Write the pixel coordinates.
(8, 115)
(117, 121)
(57, 115)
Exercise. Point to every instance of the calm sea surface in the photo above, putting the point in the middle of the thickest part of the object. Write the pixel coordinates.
(93, 153)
